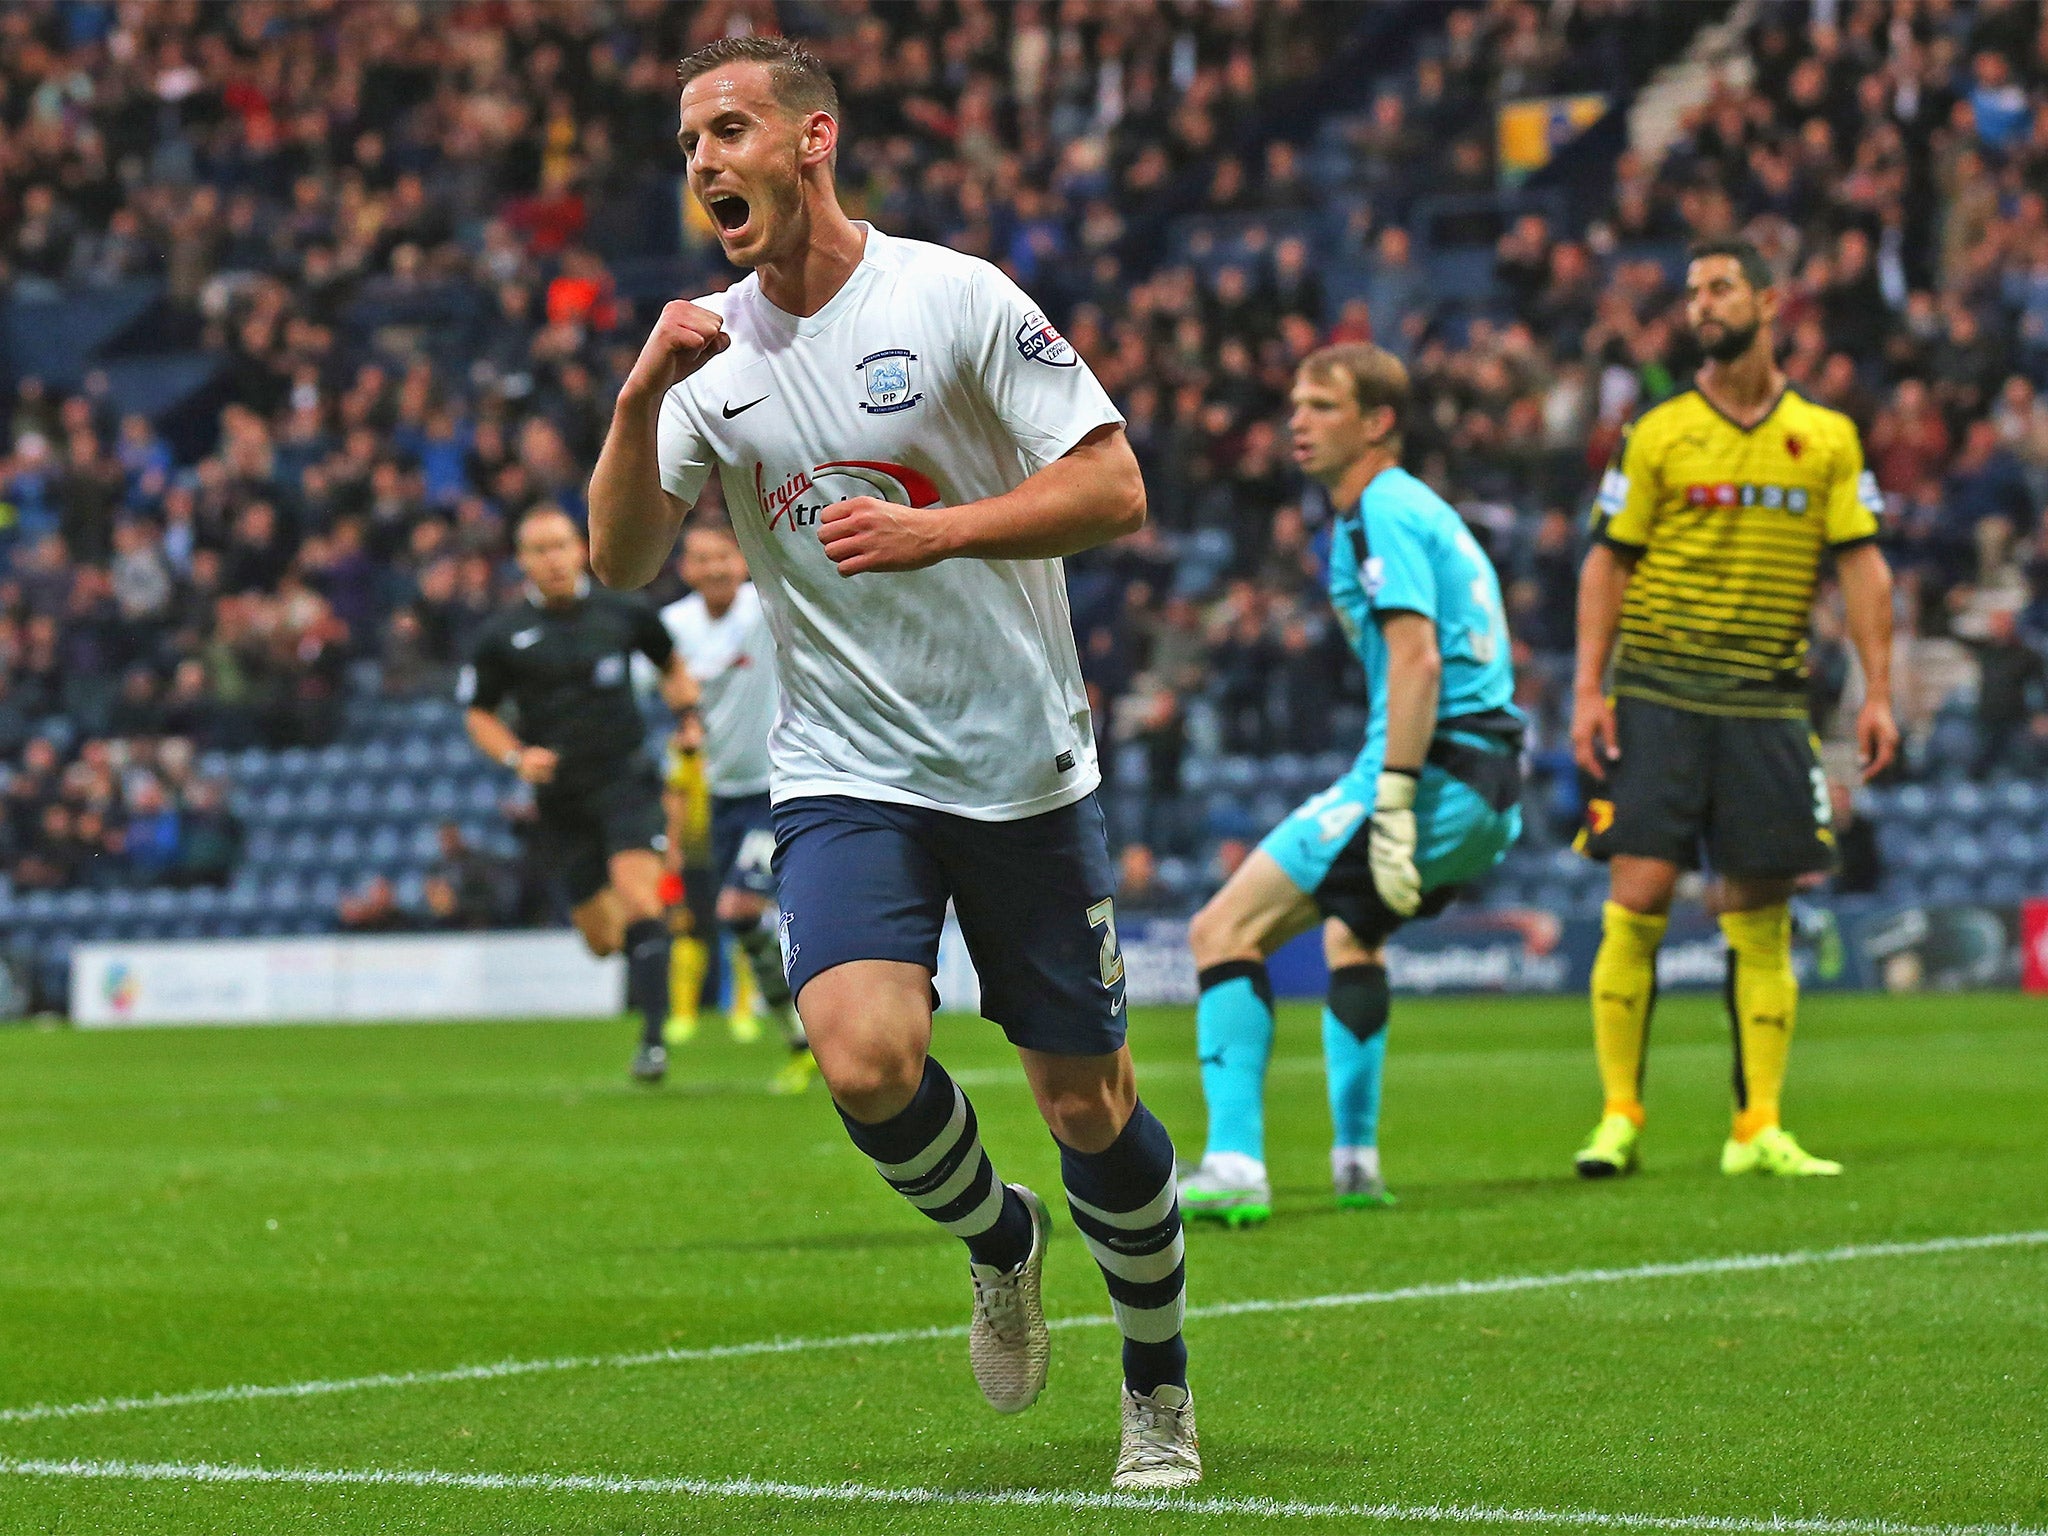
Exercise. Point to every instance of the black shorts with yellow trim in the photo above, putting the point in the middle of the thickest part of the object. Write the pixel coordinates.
(1748, 792)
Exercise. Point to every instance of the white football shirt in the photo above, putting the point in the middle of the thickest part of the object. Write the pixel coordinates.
(732, 657)
(929, 379)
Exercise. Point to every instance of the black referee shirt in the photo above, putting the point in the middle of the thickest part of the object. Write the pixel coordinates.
(569, 671)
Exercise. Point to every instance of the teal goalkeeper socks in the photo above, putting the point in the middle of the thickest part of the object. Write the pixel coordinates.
(1354, 1067)
(1234, 1035)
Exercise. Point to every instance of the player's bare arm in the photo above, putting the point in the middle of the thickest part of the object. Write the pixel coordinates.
(1414, 671)
(1867, 598)
(496, 740)
(1603, 583)
(633, 521)
(1090, 495)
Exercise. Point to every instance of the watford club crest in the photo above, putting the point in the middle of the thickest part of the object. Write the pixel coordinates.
(1794, 445)
(1599, 816)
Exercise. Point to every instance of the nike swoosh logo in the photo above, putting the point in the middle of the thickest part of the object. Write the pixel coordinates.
(734, 410)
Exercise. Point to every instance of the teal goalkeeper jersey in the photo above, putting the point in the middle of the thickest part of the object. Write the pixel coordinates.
(1403, 549)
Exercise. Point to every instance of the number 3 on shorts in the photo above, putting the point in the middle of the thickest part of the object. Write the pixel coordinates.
(1103, 915)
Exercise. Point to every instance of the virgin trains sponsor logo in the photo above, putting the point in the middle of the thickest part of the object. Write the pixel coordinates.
(798, 500)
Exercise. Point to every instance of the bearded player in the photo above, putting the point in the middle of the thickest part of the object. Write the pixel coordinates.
(907, 448)
(1709, 537)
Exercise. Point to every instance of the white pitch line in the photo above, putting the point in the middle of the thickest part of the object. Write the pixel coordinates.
(1026, 1498)
(1438, 1290)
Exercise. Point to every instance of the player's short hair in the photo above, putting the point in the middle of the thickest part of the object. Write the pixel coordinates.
(1755, 270)
(1377, 377)
(543, 509)
(802, 83)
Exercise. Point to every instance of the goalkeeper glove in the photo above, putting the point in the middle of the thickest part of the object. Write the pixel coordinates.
(1392, 848)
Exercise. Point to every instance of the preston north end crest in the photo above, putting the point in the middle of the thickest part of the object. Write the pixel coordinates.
(891, 380)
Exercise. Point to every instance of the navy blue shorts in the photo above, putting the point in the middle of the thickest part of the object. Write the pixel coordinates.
(869, 880)
(743, 844)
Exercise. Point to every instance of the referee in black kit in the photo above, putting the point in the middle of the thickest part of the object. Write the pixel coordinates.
(564, 658)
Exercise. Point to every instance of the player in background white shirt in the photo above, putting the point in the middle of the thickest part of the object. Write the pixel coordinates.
(906, 448)
(722, 635)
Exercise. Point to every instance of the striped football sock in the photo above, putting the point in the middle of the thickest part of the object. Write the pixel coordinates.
(930, 1153)
(1124, 1204)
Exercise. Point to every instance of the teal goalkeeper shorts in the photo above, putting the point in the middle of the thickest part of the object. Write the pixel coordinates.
(1323, 847)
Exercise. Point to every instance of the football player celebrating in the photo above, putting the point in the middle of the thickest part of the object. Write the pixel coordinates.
(907, 447)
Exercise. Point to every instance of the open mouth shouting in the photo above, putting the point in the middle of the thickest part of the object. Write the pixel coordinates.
(729, 211)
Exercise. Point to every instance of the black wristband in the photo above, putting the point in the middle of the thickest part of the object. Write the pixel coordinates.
(1413, 773)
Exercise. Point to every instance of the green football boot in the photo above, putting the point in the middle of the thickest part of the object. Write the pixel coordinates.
(1611, 1150)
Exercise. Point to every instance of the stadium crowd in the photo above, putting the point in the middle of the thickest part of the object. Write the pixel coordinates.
(423, 245)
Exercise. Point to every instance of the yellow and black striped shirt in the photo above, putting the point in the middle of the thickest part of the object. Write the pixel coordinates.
(1728, 527)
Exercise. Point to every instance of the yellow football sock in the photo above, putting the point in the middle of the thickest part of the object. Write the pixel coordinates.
(1624, 993)
(744, 988)
(1763, 1002)
(686, 962)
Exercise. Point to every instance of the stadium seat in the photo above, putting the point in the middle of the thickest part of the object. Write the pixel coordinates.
(1948, 888)
(1239, 774)
(1962, 799)
(1270, 808)
(1913, 802)
(2003, 887)
(2021, 798)
(385, 847)
(2011, 849)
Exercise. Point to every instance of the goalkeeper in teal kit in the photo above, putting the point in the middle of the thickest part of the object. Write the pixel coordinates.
(1430, 804)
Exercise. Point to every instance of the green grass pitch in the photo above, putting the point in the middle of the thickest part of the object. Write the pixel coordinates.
(191, 1210)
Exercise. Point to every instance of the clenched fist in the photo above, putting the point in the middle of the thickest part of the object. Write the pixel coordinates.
(869, 534)
(684, 339)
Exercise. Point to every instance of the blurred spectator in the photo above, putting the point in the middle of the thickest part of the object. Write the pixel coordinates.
(210, 844)
(2012, 700)
(468, 888)
(1138, 891)
(374, 908)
